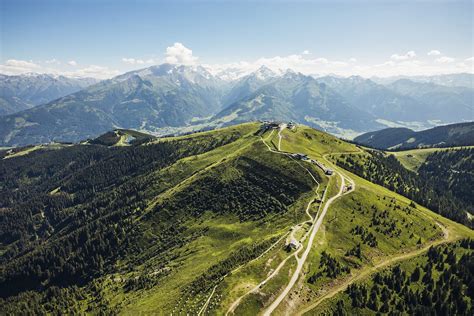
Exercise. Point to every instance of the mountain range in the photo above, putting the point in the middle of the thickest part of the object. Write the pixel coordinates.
(21, 92)
(169, 98)
(465, 80)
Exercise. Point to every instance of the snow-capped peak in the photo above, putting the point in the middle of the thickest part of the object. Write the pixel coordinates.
(264, 73)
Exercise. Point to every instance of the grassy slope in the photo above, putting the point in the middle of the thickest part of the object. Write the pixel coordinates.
(335, 237)
(249, 276)
(316, 144)
(338, 239)
(414, 158)
(165, 181)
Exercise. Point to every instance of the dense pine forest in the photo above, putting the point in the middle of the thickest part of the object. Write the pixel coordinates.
(442, 183)
(67, 213)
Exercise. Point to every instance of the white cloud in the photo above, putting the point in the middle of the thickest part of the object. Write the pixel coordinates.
(136, 61)
(434, 52)
(53, 61)
(445, 60)
(339, 63)
(21, 63)
(322, 60)
(305, 52)
(15, 67)
(408, 55)
(180, 54)
(93, 71)
(298, 63)
(389, 63)
(406, 64)
(133, 61)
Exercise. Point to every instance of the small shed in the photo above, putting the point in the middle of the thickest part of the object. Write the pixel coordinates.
(329, 172)
(294, 244)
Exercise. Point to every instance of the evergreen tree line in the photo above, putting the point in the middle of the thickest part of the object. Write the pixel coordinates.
(329, 267)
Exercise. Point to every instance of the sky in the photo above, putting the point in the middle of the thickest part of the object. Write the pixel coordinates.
(104, 38)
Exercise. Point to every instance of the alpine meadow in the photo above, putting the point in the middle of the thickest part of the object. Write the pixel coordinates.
(304, 158)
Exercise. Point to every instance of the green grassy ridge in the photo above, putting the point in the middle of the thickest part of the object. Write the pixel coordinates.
(285, 165)
(313, 142)
(128, 183)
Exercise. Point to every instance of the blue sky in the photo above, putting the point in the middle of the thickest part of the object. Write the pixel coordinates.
(346, 37)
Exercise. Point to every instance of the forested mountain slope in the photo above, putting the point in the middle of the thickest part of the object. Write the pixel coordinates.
(439, 282)
(461, 134)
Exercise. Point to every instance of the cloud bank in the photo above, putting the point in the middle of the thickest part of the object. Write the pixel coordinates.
(409, 63)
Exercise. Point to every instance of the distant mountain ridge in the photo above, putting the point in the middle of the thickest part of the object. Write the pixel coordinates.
(461, 134)
(173, 99)
(21, 92)
(406, 100)
(465, 80)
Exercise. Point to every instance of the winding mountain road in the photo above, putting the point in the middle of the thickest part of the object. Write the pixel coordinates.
(316, 224)
(301, 260)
